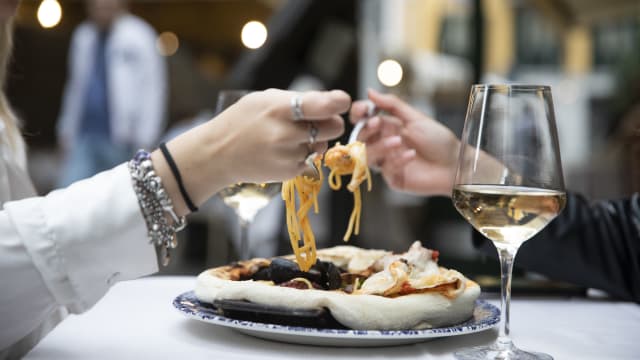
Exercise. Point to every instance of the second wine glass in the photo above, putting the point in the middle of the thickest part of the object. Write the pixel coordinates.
(509, 183)
(246, 199)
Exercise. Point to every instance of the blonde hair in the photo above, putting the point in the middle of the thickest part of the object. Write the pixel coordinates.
(7, 115)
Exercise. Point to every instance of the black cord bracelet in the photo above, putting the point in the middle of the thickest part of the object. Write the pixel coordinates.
(176, 174)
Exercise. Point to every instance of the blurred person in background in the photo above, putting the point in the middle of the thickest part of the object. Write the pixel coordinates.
(60, 253)
(116, 91)
(594, 245)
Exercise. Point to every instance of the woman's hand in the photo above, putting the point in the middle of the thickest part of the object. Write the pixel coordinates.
(414, 152)
(254, 140)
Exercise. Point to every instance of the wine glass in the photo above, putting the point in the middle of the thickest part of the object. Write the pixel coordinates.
(246, 199)
(509, 183)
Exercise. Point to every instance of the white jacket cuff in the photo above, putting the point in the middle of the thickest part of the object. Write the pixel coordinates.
(86, 237)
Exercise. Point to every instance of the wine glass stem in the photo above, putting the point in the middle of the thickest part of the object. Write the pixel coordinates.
(244, 239)
(506, 269)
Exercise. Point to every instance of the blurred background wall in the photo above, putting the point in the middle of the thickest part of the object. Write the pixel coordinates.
(428, 52)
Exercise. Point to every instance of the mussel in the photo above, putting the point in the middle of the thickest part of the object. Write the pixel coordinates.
(322, 273)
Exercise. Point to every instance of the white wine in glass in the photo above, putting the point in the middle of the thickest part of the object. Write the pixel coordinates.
(509, 183)
(508, 215)
(246, 199)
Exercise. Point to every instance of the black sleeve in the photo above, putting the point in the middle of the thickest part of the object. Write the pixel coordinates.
(593, 245)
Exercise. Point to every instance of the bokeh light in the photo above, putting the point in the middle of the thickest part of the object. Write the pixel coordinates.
(390, 73)
(49, 13)
(254, 34)
(167, 43)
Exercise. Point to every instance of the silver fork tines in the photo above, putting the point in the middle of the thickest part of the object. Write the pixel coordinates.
(311, 170)
(372, 110)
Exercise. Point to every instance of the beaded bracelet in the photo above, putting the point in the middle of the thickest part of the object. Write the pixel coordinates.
(155, 205)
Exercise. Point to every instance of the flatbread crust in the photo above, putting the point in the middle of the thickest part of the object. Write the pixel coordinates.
(433, 308)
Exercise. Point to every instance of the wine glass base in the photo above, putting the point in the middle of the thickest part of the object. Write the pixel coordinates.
(499, 353)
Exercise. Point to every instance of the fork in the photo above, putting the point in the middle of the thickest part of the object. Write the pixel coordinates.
(371, 111)
(311, 170)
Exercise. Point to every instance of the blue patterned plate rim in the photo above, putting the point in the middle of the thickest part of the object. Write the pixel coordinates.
(485, 316)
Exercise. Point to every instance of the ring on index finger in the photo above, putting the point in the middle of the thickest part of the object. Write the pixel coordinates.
(313, 133)
(296, 108)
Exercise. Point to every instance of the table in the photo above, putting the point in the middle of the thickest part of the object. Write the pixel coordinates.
(136, 320)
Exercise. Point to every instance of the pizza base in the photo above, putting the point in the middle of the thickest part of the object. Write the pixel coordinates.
(355, 311)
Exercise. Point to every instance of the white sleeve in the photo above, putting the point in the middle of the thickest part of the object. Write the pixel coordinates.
(69, 247)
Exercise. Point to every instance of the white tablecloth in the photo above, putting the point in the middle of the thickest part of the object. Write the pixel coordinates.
(136, 320)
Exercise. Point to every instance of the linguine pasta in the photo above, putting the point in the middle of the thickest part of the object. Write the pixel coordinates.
(344, 160)
(341, 160)
(307, 190)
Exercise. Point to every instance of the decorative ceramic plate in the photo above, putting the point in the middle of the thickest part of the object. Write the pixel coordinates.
(485, 316)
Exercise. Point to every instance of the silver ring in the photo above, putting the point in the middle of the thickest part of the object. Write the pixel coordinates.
(313, 133)
(296, 108)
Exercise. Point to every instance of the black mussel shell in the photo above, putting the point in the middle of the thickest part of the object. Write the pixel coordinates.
(264, 273)
(283, 270)
(330, 275)
(325, 274)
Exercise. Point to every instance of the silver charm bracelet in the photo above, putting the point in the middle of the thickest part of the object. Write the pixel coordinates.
(157, 209)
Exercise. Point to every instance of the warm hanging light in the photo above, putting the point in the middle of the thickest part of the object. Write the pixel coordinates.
(254, 34)
(49, 13)
(167, 43)
(390, 73)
